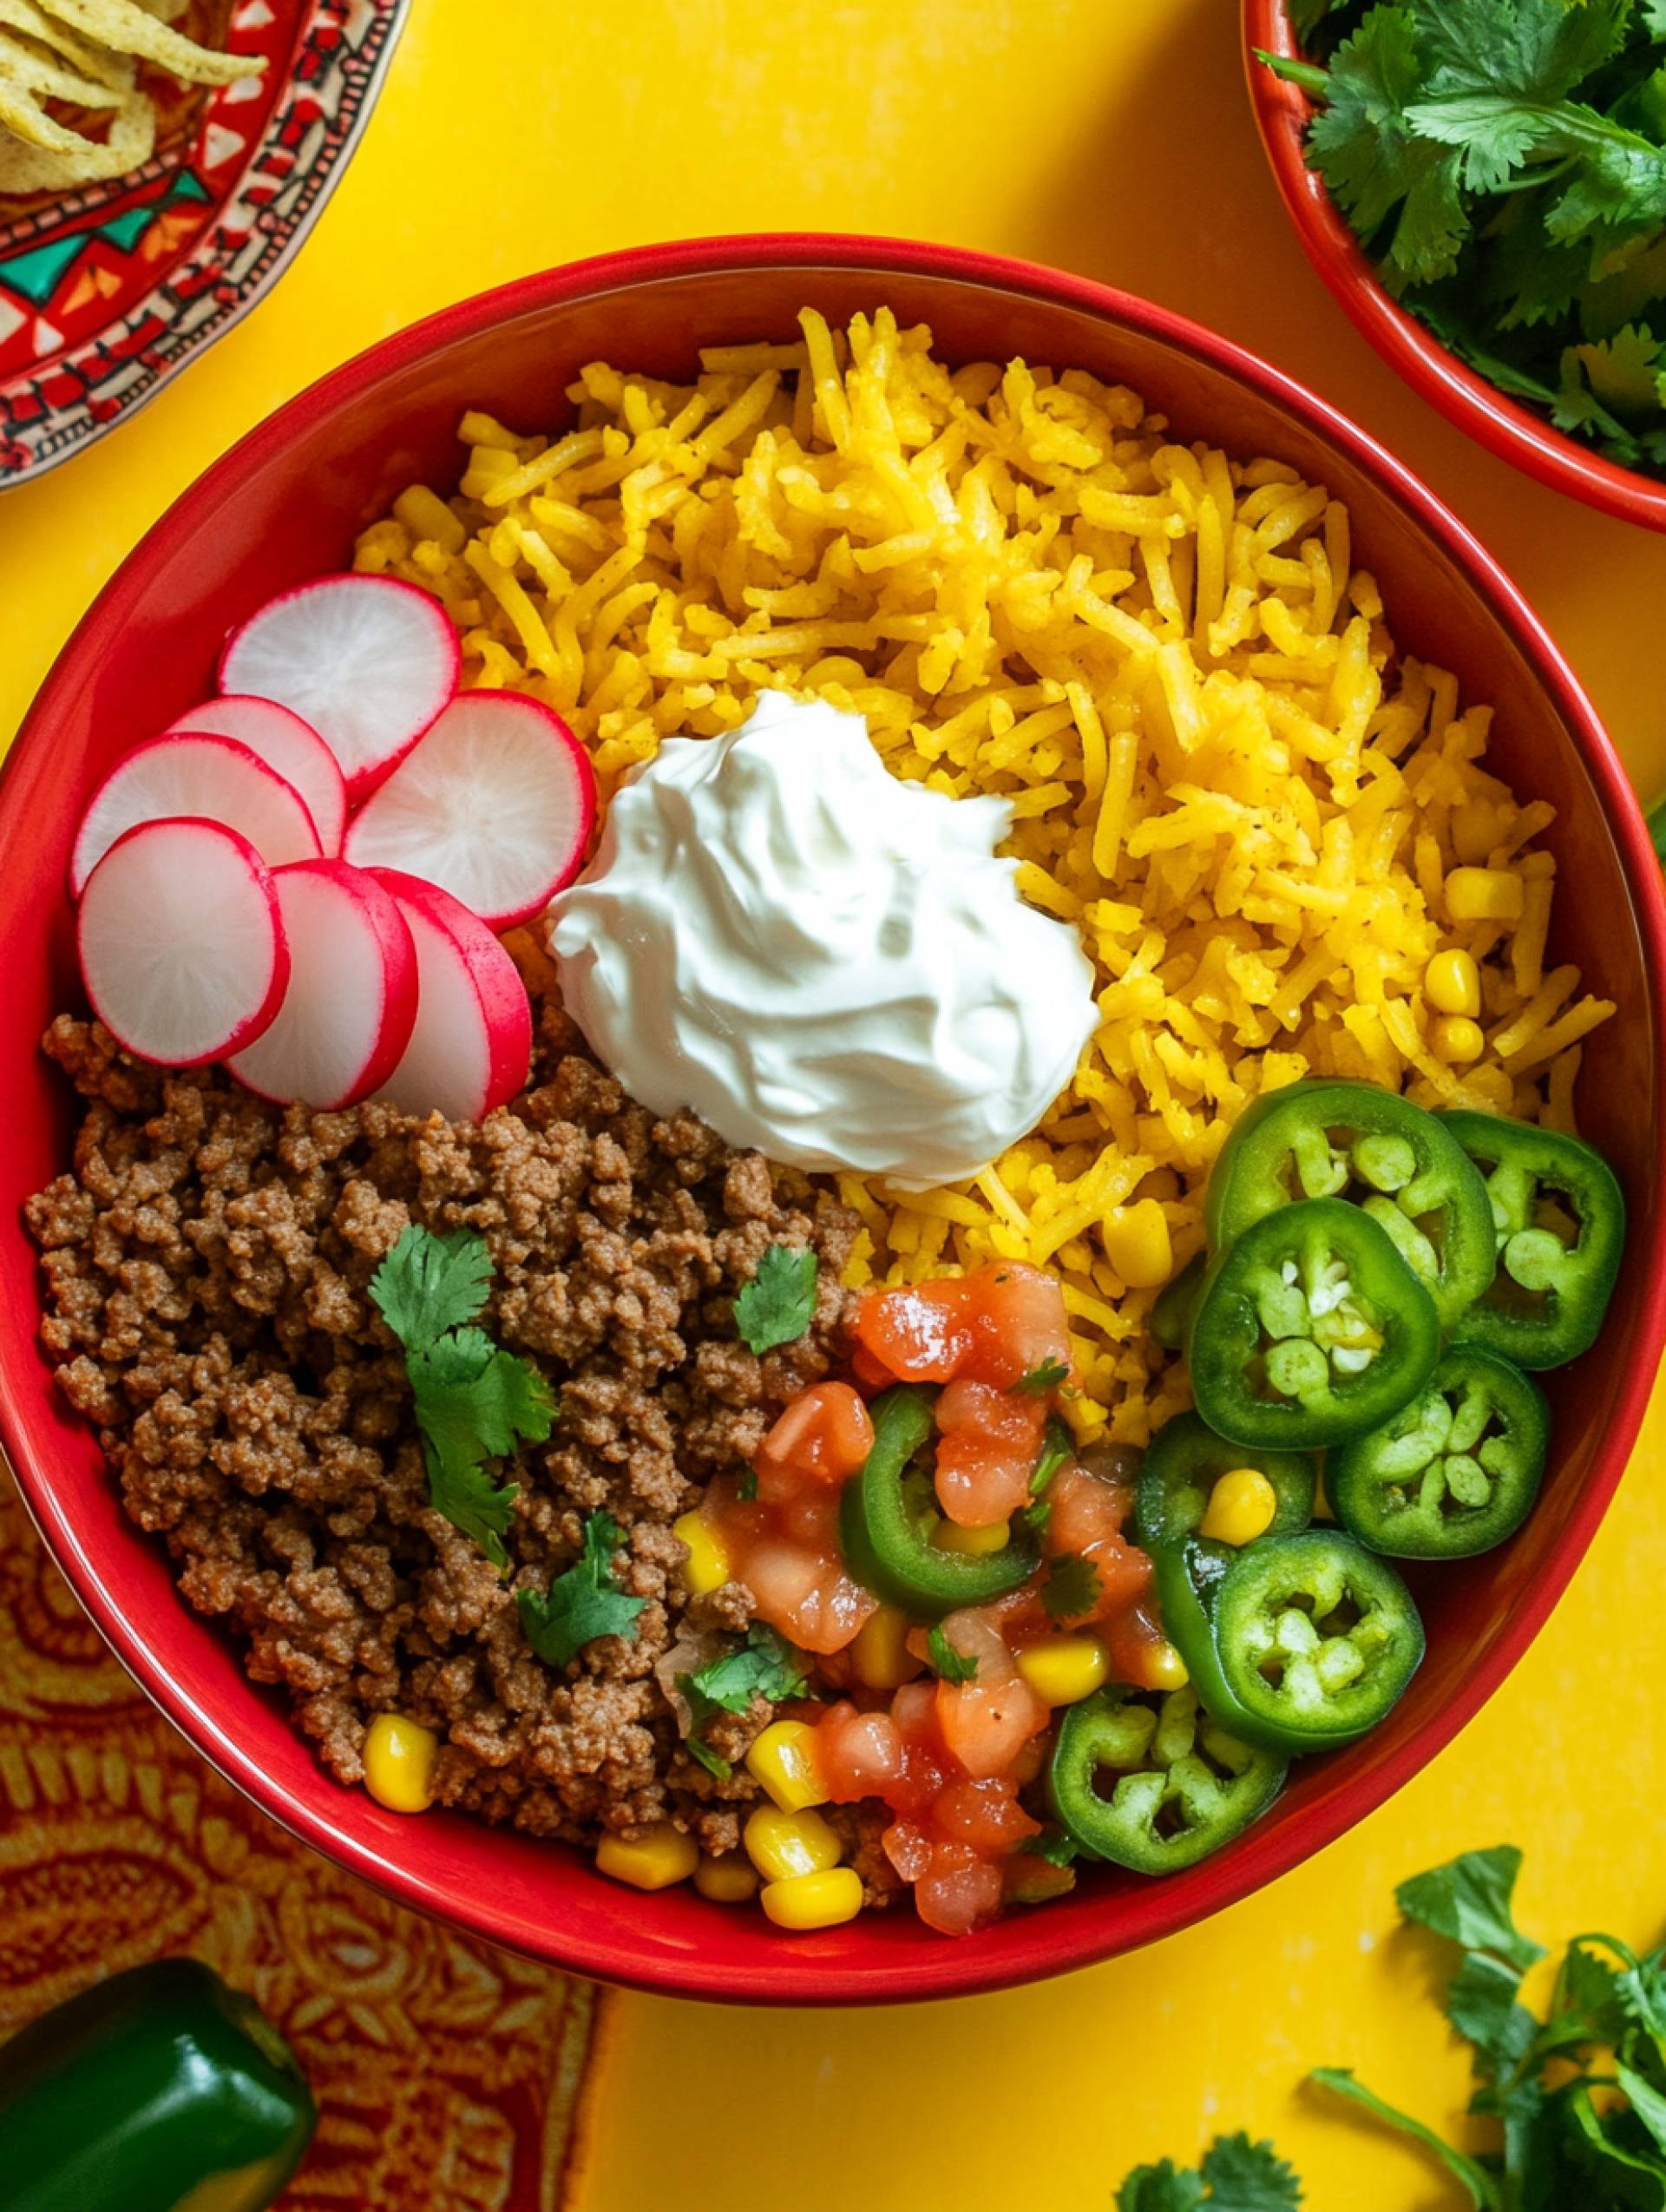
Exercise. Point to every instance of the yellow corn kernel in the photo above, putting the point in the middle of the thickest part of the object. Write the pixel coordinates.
(1456, 1039)
(1163, 1668)
(707, 1564)
(1241, 1508)
(1452, 983)
(1136, 1240)
(654, 1858)
(880, 1653)
(822, 1900)
(782, 1846)
(973, 1543)
(1475, 831)
(399, 1757)
(731, 1880)
(1065, 1669)
(1484, 894)
(783, 1762)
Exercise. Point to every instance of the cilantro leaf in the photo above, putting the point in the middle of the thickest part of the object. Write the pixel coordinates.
(1042, 1379)
(427, 1284)
(765, 1665)
(1072, 1587)
(713, 1762)
(1481, 2005)
(949, 1664)
(1055, 1450)
(1483, 2189)
(1245, 2176)
(583, 1603)
(480, 1509)
(1468, 1900)
(1161, 2188)
(1654, 18)
(779, 1304)
(1053, 1845)
(1646, 2102)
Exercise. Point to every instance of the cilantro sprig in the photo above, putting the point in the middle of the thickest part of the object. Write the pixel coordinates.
(765, 1665)
(474, 1401)
(779, 1304)
(582, 1603)
(1072, 1588)
(1234, 2174)
(948, 1665)
(1504, 162)
(1041, 1380)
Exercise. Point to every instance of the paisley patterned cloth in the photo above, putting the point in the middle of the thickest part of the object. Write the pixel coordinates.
(448, 2074)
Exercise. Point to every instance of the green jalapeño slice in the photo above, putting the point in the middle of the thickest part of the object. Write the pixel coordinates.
(1559, 1218)
(1311, 1329)
(1317, 1638)
(1152, 1785)
(1183, 1463)
(1358, 1142)
(1454, 1472)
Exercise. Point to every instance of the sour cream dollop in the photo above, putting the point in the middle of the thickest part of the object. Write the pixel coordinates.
(822, 962)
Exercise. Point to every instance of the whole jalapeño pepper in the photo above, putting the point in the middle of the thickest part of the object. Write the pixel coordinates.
(1311, 1328)
(1559, 1225)
(1355, 1141)
(883, 1544)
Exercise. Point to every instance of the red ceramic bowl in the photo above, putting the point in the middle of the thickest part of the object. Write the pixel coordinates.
(285, 504)
(1515, 433)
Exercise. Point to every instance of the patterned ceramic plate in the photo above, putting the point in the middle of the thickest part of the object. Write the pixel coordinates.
(109, 291)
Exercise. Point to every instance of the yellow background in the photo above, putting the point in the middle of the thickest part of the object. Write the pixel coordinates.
(1111, 137)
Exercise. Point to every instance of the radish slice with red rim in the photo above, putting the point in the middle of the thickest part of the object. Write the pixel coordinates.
(494, 805)
(290, 747)
(472, 1045)
(206, 779)
(182, 941)
(351, 1003)
(367, 660)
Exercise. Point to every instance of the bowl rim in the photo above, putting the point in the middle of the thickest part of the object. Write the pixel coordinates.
(1141, 1917)
(1512, 432)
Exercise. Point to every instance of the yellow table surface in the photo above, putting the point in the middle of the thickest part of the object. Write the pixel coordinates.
(1111, 137)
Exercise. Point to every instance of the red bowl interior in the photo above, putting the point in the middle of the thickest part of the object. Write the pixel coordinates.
(285, 504)
(1515, 433)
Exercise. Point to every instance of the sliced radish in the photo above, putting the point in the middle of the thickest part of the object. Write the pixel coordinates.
(205, 778)
(472, 1045)
(351, 1003)
(367, 660)
(182, 941)
(494, 805)
(291, 748)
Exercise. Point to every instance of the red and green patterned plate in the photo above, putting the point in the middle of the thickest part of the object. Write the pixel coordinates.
(109, 291)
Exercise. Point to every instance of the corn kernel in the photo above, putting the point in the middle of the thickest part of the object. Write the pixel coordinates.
(972, 1542)
(1452, 983)
(1065, 1669)
(399, 1757)
(1475, 831)
(654, 1858)
(1163, 1668)
(1136, 1240)
(707, 1564)
(782, 1760)
(1484, 894)
(731, 1880)
(782, 1846)
(880, 1653)
(1241, 1508)
(1457, 1041)
(822, 1900)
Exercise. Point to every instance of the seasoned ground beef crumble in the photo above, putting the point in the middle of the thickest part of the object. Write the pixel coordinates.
(206, 1265)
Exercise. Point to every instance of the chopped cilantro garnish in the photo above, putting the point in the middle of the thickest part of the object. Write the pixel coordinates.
(1053, 1845)
(1041, 1379)
(1055, 1450)
(779, 1304)
(746, 1488)
(713, 1762)
(950, 1665)
(474, 1402)
(765, 1666)
(1072, 1587)
(583, 1603)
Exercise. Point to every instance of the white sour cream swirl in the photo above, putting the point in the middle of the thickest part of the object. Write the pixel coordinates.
(822, 962)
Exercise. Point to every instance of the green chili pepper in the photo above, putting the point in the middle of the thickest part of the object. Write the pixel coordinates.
(1179, 1786)
(158, 2091)
(1559, 1223)
(1317, 1637)
(1311, 1329)
(1357, 1141)
(884, 1545)
(1189, 1576)
(1183, 1463)
(1177, 1302)
(1454, 1472)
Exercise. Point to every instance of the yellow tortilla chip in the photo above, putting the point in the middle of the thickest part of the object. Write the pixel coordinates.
(130, 29)
(47, 78)
(132, 139)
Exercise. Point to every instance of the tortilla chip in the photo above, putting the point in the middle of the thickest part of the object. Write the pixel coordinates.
(46, 78)
(130, 29)
(132, 139)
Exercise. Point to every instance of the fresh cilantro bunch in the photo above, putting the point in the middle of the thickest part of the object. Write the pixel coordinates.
(474, 1402)
(1578, 2099)
(1504, 162)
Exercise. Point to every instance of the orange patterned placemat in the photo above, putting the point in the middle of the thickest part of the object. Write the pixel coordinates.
(448, 2074)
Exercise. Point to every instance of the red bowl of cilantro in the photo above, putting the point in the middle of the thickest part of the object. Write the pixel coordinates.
(1482, 185)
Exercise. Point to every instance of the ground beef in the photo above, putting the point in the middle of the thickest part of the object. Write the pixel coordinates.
(206, 1265)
